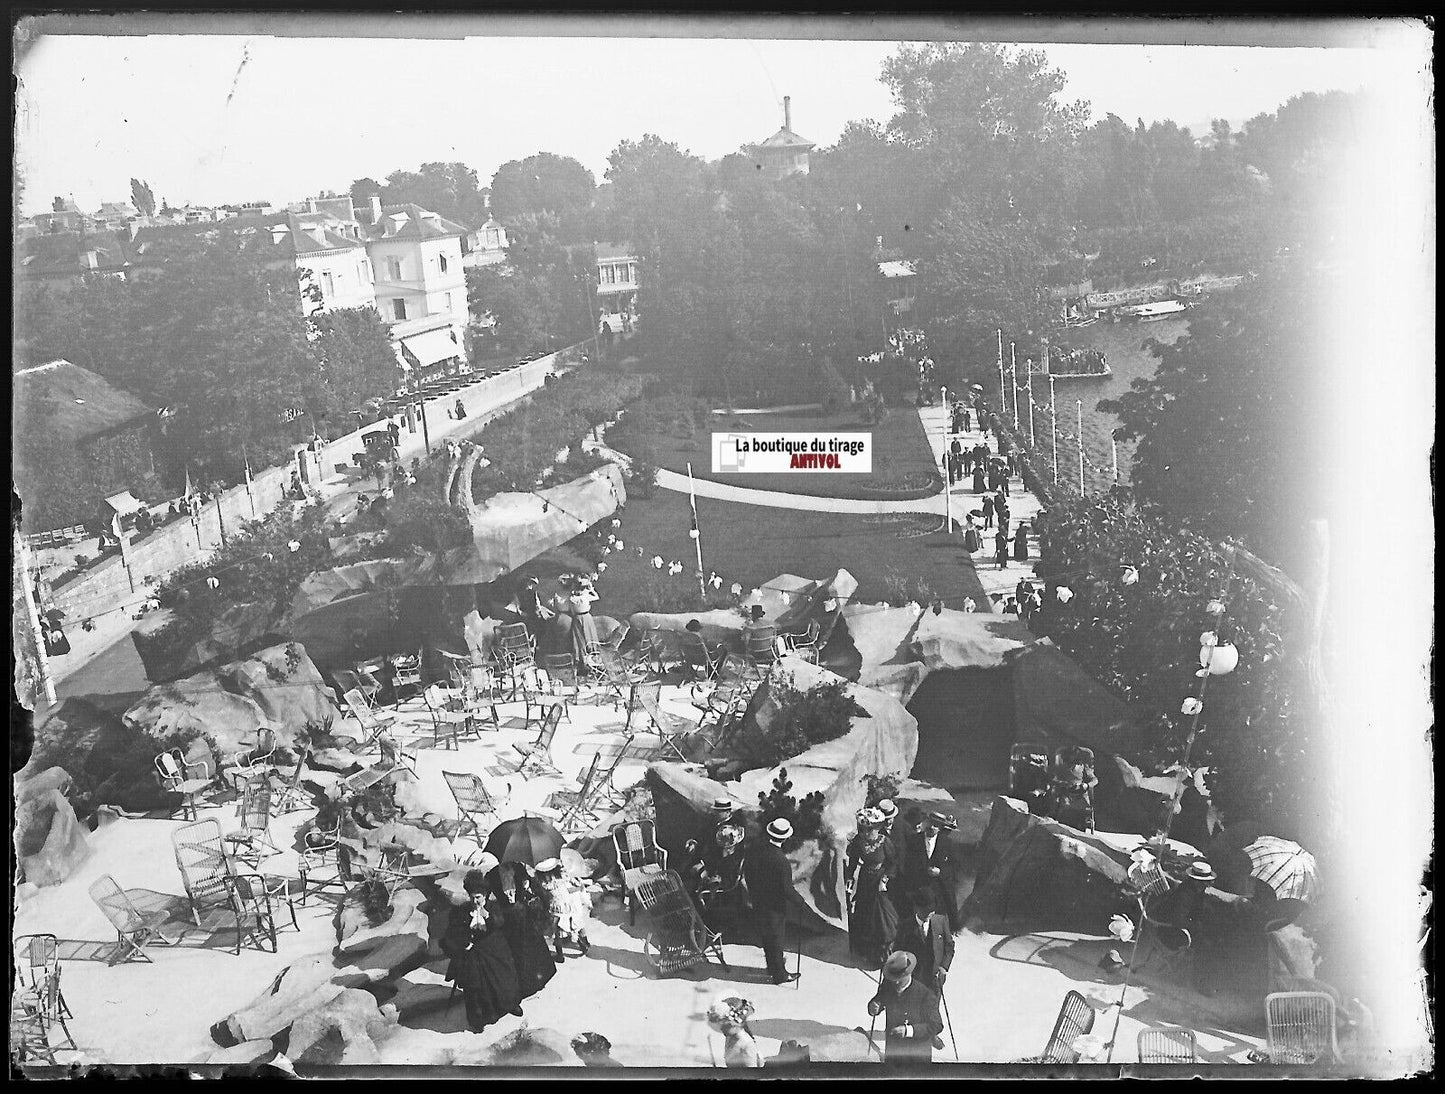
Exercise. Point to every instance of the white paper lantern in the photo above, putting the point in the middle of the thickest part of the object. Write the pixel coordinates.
(692, 533)
(1064, 593)
(212, 582)
(1121, 927)
(1215, 607)
(736, 589)
(1191, 706)
(1130, 576)
(715, 582)
(657, 562)
(616, 523)
(602, 567)
(1223, 661)
(1209, 638)
(293, 546)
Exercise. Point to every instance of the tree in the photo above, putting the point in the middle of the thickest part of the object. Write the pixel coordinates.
(1229, 427)
(142, 197)
(546, 183)
(363, 190)
(356, 360)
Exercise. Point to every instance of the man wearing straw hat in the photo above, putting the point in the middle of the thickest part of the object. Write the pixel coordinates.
(770, 877)
(911, 1018)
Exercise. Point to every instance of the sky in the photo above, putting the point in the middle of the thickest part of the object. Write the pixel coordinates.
(213, 118)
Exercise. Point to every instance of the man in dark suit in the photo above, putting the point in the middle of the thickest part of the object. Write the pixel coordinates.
(925, 934)
(769, 877)
(906, 835)
(932, 864)
(910, 1008)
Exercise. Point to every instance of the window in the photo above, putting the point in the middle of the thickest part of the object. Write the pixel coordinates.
(494, 238)
(328, 284)
(393, 268)
(398, 307)
(442, 262)
(447, 301)
(632, 273)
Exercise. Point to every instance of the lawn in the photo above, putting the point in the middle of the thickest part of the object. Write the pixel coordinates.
(751, 544)
(902, 459)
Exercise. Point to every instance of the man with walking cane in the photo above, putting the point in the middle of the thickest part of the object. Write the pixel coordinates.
(770, 877)
(910, 1012)
(926, 935)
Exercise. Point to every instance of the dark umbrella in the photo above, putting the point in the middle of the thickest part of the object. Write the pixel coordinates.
(528, 840)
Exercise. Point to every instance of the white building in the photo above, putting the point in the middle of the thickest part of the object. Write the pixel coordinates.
(421, 287)
(617, 284)
(486, 246)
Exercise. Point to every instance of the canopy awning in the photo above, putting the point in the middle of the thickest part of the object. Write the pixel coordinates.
(427, 348)
(124, 504)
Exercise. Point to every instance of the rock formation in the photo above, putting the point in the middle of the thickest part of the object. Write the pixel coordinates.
(49, 841)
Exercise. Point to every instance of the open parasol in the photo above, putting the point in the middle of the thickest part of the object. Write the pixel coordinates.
(527, 840)
(1284, 866)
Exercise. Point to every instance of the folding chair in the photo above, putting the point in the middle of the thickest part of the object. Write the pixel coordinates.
(619, 676)
(252, 843)
(1076, 1018)
(373, 723)
(445, 724)
(201, 859)
(669, 728)
(397, 756)
(259, 760)
(722, 712)
(1300, 1027)
(1168, 1045)
(537, 755)
(176, 778)
(134, 931)
(607, 789)
(737, 669)
(43, 995)
(697, 658)
(29, 1033)
(405, 673)
(289, 796)
(575, 806)
(475, 804)
(639, 857)
(655, 649)
(320, 848)
(250, 903)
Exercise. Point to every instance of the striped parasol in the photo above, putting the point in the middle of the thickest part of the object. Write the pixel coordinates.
(1284, 866)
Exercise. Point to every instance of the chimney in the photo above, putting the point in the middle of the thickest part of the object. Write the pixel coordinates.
(375, 208)
(788, 113)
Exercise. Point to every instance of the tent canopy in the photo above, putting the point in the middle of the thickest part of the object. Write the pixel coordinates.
(124, 504)
(431, 346)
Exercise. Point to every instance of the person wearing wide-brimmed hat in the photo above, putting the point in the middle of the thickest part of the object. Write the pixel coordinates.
(933, 862)
(769, 878)
(568, 905)
(872, 870)
(481, 958)
(911, 1018)
(523, 913)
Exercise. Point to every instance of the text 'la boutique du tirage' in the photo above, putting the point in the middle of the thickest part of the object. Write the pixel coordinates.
(762, 453)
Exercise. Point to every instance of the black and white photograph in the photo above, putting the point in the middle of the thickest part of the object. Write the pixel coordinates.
(845, 546)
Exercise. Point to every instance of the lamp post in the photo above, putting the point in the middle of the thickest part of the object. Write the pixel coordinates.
(1080, 404)
(1029, 378)
(947, 470)
(1013, 371)
(1002, 394)
(1114, 454)
(1054, 427)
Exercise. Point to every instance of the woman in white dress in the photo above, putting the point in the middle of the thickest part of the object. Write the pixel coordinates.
(730, 1018)
(569, 904)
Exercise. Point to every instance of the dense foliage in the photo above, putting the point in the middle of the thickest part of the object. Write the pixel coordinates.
(805, 718)
(450, 189)
(217, 333)
(1142, 641)
(1228, 426)
(778, 803)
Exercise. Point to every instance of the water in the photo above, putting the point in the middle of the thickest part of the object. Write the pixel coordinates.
(1121, 343)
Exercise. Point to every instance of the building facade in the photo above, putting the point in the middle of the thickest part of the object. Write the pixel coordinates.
(617, 285)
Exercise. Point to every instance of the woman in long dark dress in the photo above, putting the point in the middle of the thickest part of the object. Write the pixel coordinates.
(1021, 542)
(523, 914)
(481, 965)
(873, 871)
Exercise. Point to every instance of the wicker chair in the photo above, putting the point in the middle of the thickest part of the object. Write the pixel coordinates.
(475, 804)
(203, 864)
(638, 856)
(289, 796)
(134, 930)
(677, 937)
(373, 723)
(698, 658)
(1075, 1019)
(1300, 1027)
(29, 1033)
(1168, 1045)
(446, 724)
(514, 653)
(575, 806)
(252, 843)
(562, 676)
(253, 762)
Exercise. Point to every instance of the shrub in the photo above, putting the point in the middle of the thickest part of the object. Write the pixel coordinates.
(806, 816)
(880, 788)
(806, 718)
